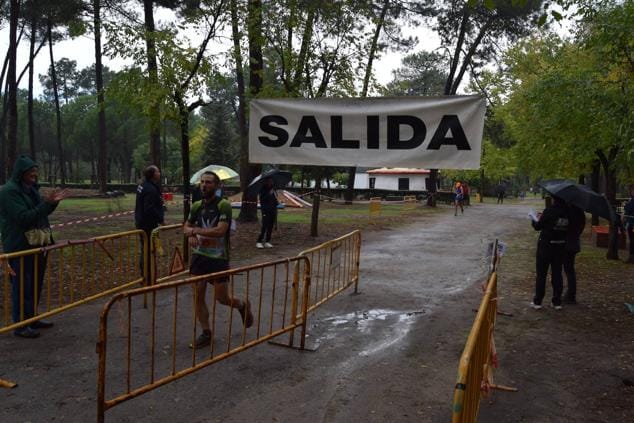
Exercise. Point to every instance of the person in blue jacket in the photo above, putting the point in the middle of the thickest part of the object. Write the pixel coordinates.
(149, 210)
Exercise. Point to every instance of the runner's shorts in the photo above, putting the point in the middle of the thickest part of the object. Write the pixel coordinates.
(202, 265)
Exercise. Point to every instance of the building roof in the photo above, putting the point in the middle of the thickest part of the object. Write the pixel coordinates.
(398, 171)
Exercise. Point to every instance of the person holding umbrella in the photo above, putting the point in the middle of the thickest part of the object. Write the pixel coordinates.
(268, 207)
(576, 224)
(551, 246)
(264, 186)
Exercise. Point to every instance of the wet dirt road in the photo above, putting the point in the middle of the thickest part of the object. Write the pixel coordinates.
(387, 354)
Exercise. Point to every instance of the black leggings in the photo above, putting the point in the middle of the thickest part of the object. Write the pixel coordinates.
(268, 221)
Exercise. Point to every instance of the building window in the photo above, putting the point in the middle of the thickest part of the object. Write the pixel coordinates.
(403, 184)
(372, 181)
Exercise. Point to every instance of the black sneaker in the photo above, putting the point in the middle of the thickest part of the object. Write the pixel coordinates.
(247, 319)
(203, 340)
(568, 300)
(26, 332)
(41, 324)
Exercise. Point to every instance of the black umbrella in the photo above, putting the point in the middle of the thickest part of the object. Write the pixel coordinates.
(280, 179)
(580, 196)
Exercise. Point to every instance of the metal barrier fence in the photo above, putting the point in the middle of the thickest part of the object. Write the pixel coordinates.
(52, 279)
(170, 253)
(157, 344)
(335, 266)
(477, 359)
(475, 371)
(281, 292)
(374, 209)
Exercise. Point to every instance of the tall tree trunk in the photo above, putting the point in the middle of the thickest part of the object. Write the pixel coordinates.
(30, 94)
(314, 220)
(248, 211)
(58, 112)
(184, 127)
(481, 184)
(451, 85)
(152, 68)
(241, 111)
(12, 134)
(594, 184)
(3, 137)
(102, 158)
(607, 162)
(352, 171)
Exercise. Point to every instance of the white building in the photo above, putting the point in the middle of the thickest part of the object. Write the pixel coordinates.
(393, 179)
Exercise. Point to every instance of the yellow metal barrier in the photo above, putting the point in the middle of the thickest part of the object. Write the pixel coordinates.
(476, 359)
(375, 209)
(170, 253)
(68, 274)
(409, 202)
(7, 384)
(157, 346)
(335, 266)
(475, 371)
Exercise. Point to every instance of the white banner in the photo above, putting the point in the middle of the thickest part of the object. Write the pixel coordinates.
(428, 132)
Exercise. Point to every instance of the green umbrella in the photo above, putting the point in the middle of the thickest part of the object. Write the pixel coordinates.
(223, 173)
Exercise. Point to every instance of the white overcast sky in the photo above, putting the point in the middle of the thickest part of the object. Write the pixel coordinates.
(81, 50)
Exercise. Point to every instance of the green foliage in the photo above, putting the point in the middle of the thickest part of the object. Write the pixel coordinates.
(421, 74)
(570, 99)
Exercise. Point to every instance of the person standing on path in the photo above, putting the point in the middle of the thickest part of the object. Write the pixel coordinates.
(268, 207)
(149, 210)
(551, 246)
(208, 231)
(459, 198)
(24, 225)
(501, 192)
(576, 224)
(467, 194)
(628, 212)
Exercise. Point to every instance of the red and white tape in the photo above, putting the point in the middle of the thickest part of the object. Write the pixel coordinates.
(104, 217)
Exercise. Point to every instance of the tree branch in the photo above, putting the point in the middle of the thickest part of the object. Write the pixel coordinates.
(203, 46)
(467, 59)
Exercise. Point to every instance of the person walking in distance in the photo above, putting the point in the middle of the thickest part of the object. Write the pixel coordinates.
(208, 231)
(576, 224)
(459, 200)
(551, 246)
(268, 207)
(24, 225)
(501, 192)
(467, 194)
(149, 210)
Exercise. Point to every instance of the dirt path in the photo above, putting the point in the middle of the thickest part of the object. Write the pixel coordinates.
(388, 354)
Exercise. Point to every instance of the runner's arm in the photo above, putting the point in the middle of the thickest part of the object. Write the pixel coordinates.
(217, 231)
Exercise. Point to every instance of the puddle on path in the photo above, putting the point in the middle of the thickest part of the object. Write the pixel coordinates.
(386, 327)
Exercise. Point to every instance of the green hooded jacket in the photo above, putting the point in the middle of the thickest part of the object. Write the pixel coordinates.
(21, 208)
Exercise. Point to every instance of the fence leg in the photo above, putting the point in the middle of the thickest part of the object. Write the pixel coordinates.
(7, 384)
(305, 297)
(357, 261)
(294, 298)
(503, 388)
